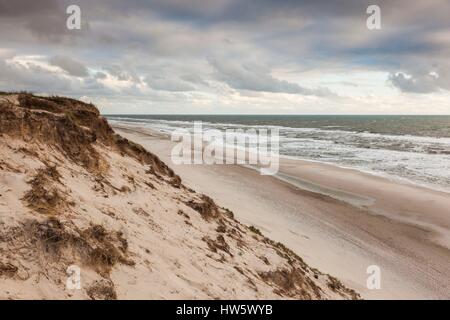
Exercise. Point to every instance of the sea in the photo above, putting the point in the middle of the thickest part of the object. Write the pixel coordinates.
(413, 148)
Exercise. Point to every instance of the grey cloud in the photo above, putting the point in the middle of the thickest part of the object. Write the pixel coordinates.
(168, 84)
(45, 20)
(33, 78)
(71, 66)
(424, 82)
(36, 79)
(122, 74)
(313, 30)
(254, 77)
(194, 78)
(25, 7)
(100, 75)
(412, 84)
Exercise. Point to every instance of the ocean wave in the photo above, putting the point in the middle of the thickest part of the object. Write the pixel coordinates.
(417, 159)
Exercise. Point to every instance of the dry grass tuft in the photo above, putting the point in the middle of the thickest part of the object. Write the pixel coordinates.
(291, 283)
(207, 208)
(44, 197)
(95, 246)
(255, 230)
(8, 270)
(218, 244)
(102, 290)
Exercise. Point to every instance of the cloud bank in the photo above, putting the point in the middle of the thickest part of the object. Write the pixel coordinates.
(231, 56)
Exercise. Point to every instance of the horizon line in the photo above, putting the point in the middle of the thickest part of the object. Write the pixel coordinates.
(269, 114)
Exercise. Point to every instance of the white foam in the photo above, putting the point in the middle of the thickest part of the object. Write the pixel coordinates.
(404, 158)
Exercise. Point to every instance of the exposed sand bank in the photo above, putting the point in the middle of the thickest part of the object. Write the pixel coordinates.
(340, 220)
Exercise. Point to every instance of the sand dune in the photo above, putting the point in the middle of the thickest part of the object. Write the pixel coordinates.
(73, 194)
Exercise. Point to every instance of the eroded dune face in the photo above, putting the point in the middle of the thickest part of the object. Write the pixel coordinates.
(76, 196)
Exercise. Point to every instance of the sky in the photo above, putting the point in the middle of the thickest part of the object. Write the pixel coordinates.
(232, 56)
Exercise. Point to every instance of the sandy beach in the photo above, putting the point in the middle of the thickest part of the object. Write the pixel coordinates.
(88, 214)
(339, 220)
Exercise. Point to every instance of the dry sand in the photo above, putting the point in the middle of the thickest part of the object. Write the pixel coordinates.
(339, 220)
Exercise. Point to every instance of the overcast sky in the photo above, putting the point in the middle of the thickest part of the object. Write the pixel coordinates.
(232, 56)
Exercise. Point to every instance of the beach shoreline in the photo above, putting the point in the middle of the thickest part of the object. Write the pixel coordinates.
(341, 220)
